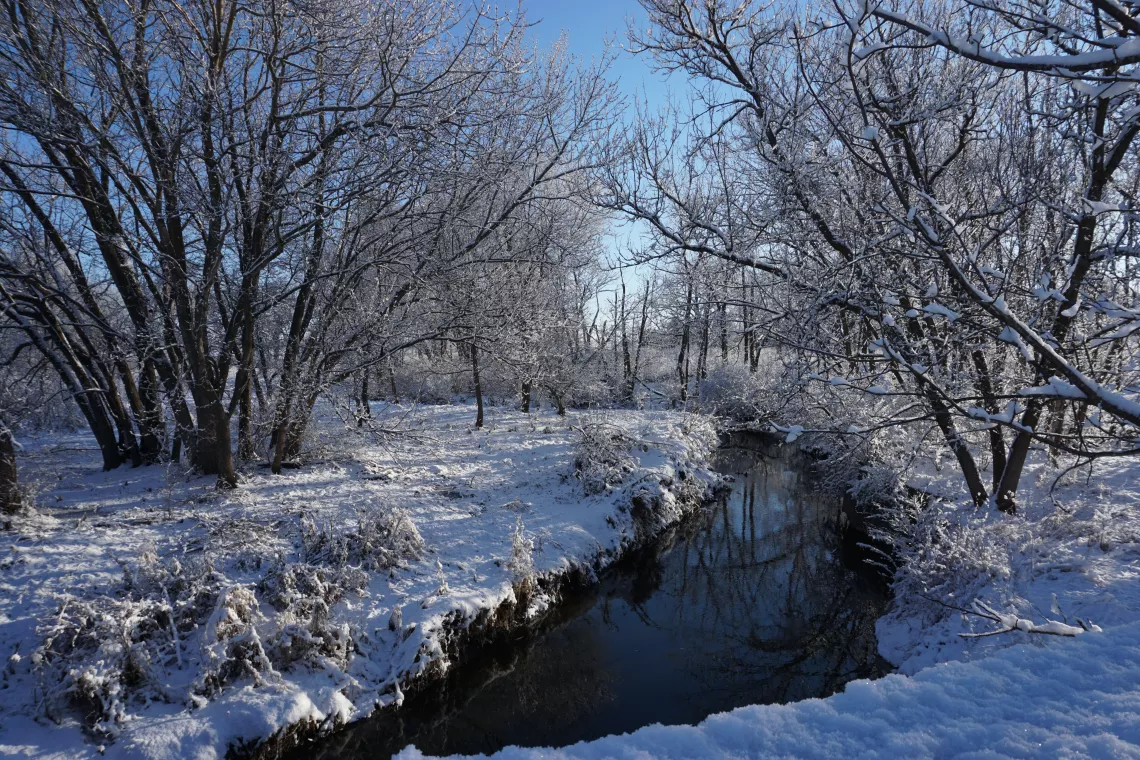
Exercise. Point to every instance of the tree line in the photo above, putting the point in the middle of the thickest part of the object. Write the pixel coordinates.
(906, 225)
(939, 200)
(222, 201)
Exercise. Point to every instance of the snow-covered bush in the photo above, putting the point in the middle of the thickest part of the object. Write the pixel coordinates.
(100, 654)
(232, 645)
(943, 553)
(303, 595)
(734, 391)
(383, 538)
(602, 456)
(521, 563)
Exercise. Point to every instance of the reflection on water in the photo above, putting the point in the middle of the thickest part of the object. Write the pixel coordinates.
(751, 603)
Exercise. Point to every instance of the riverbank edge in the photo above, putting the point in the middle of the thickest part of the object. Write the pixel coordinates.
(652, 518)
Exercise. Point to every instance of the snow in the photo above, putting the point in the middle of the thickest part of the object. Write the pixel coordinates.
(1106, 91)
(1061, 698)
(1007, 416)
(1096, 208)
(488, 504)
(1009, 335)
(1074, 309)
(937, 309)
(1055, 387)
(793, 431)
(867, 51)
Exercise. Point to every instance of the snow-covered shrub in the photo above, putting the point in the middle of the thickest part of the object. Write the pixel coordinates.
(944, 554)
(94, 654)
(521, 563)
(231, 642)
(231, 541)
(382, 539)
(303, 594)
(872, 484)
(100, 654)
(602, 456)
(734, 391)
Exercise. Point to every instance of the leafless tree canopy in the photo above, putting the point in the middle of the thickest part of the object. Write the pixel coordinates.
(906, 225)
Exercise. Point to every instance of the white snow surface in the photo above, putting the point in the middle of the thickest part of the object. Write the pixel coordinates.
(470, 493)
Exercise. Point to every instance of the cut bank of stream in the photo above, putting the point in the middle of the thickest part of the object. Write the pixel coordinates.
(756, 600)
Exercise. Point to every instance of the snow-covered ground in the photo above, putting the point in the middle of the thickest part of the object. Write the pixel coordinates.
(316, 595)
(1072, 555)
(176, 621)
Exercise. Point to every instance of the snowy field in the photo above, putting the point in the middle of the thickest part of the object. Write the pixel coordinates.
(144, 614)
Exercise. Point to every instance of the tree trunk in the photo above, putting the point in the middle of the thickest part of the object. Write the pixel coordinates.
(478, 384)
(703, 361)
(392, 380)
(997, 439)
(365, 411)
(627, 361)
(56, 349)
(145, 408)
(214, 455)
(683, 355)
(746, 340)
(640, 342)
(722, 320)
(227, 476)
(961, 451)
(9, 486)
(243, 385)
(526, 392)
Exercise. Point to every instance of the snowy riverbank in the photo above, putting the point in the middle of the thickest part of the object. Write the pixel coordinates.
(180, 622)
(1072, 554)
(1060, 698)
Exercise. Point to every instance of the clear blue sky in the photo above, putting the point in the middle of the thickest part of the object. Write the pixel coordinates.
(587, 24)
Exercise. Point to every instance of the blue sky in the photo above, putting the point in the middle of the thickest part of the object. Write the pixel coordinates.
(588, 23)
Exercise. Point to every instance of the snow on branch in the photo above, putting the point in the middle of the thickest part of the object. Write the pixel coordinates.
(1126, 53)
(1008, 622)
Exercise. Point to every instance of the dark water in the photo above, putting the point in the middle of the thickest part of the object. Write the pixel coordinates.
(757, 601)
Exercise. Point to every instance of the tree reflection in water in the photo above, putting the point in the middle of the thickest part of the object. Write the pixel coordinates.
(751, 603)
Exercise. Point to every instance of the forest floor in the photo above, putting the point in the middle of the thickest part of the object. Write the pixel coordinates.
(1071, 555)
(144, 614)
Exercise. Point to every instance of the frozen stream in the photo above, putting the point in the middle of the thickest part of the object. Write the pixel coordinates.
(756, 601)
